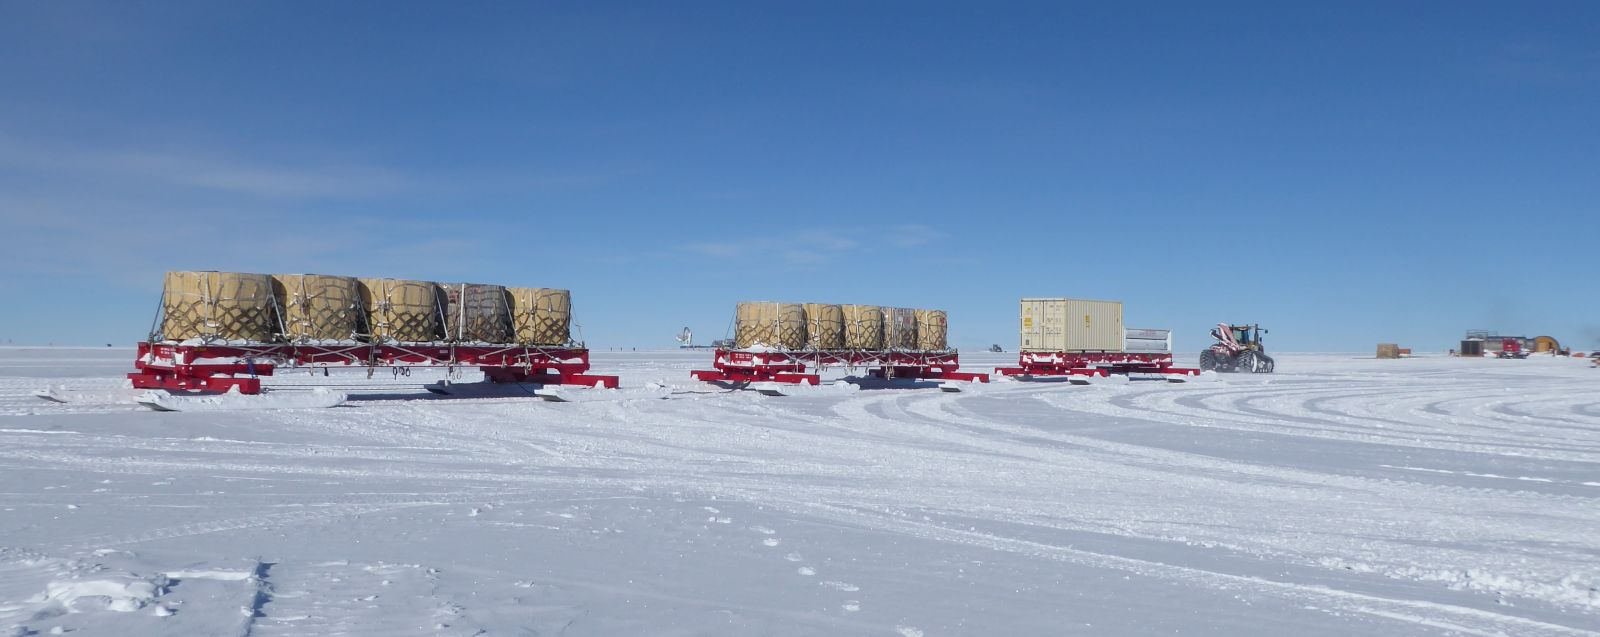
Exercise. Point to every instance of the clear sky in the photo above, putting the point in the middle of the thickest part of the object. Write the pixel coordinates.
(1344, 174)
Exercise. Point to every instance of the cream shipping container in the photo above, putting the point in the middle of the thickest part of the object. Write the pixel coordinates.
(1071, 325)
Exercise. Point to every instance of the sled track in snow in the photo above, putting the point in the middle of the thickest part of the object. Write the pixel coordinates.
(958, 430)
(950, 410)
(1461, 619)
(1325, 413)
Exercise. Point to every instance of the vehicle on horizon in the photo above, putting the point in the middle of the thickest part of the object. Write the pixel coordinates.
(1511, 348)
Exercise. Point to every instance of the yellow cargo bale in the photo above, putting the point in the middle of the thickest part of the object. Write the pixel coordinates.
(824, 326)
(317, 307)
(208, 305)
(863, 327)
(899, 328)
(541, 316)
(933, 328)
(477, 313)
(400, 310)
(767, 324)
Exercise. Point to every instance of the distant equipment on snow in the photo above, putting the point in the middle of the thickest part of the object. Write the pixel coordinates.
(685, 338)
(1490, 343)
(1393, 350)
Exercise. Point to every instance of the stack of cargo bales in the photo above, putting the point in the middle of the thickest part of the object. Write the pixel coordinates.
(1147, 341)
(228, 306)
(863, 327)
(477, 313)
(828, 327)
(824, 326)
(765, 324)
(1071, 325)
(317, 307)
(402, 311)
(899, 328)
(1388, 350)
(541, 316)
(933, 329)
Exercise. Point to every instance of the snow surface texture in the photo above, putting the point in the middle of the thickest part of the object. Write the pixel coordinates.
(1341, 496)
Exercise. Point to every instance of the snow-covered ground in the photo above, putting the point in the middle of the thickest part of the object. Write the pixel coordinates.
(1341, 496)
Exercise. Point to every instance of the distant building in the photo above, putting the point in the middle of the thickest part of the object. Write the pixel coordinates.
(1484, 342)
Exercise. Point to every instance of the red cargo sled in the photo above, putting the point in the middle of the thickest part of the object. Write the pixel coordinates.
(220, 368)
(1095, 364)
(745, 366)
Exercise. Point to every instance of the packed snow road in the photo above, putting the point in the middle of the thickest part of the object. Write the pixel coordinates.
(1340, 496)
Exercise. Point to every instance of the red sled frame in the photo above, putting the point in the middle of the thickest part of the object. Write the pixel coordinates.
(216, 368)
(738, 366)
(1099, 364)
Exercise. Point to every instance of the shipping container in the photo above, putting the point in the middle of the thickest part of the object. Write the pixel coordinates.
(1071, 325)
(1147, 340)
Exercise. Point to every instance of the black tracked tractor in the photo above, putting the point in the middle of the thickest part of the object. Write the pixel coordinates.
(1238, 349)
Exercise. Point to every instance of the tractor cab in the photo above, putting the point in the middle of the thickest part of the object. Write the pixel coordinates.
(1248, 335)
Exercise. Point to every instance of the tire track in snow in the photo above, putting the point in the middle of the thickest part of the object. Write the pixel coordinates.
(1399, 490)
(1190, 407)
(1463, 619)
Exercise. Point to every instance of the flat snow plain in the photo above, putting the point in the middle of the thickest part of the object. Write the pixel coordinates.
(1341, 496)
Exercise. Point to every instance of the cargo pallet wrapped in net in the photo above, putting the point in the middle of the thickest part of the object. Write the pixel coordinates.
(1080, 339)
(780, 342)
(223, 331)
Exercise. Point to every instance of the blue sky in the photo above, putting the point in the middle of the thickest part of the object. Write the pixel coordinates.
(1344, 174)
